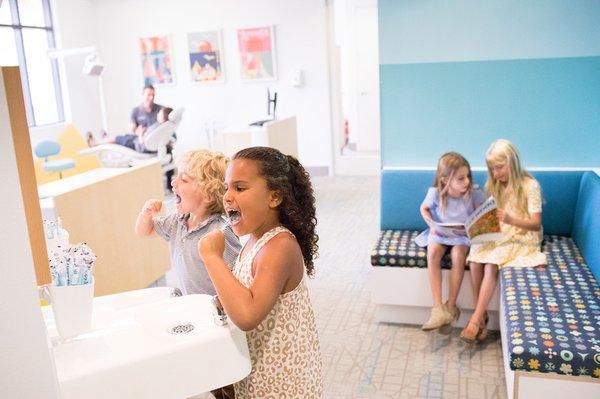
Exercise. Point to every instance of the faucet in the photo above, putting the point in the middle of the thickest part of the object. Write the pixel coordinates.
(176, 292)
(219, 316)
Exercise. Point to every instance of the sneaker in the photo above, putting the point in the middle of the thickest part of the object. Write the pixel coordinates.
(439, 317)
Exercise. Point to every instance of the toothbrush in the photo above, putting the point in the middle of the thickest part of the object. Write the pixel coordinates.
(227, 223)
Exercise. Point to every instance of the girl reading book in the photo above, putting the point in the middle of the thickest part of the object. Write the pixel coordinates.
(520, 213)
(451, 200)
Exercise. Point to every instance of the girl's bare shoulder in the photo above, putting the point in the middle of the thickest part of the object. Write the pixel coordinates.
(282, 246)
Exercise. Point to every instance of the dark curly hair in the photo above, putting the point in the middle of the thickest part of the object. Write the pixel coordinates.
(286, 175)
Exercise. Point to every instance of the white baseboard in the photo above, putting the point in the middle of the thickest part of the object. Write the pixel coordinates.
(409, 286)
(417, 315)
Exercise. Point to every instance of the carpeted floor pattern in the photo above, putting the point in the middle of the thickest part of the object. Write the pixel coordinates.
(366, 359)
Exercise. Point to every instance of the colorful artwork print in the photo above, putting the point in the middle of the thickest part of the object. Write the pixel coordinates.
(257, 53)
(206, 62)
(157, 64)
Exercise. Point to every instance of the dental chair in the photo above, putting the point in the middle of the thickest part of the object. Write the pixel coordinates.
(118, 156)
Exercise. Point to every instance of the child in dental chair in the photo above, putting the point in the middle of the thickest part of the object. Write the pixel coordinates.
(198, 188)
(135, 140)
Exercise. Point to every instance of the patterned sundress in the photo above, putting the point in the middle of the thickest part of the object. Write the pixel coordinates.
(284, 348)
(518, 247)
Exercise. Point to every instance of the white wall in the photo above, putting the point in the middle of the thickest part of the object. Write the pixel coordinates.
(300, 41)
(26, 367)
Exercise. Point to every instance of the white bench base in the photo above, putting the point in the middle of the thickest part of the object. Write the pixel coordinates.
(402, 295)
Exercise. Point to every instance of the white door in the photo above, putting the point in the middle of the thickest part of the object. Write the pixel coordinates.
(367, 78)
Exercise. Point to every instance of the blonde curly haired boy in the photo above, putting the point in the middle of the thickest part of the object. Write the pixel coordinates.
(198, 187)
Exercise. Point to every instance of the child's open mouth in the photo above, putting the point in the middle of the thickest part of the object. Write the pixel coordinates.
(234, 217)
(177, 199)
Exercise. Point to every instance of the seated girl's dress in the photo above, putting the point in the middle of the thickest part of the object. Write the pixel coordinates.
(456, 211)
(284, 347)
(518, 247)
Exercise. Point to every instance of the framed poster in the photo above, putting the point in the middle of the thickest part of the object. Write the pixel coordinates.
(206, 56)
(157, 64)
(257, 54)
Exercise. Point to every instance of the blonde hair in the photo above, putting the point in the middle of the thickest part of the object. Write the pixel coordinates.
(503, 151)
(447, 166)
(207, 169)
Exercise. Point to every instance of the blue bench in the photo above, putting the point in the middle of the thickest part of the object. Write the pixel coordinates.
(549, 316)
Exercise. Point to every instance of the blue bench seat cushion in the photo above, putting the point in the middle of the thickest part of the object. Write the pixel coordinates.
(552, 313)
(397, 248)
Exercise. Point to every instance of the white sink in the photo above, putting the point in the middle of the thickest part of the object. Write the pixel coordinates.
(133, 352)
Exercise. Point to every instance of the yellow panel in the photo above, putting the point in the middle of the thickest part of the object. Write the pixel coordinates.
(71, 141)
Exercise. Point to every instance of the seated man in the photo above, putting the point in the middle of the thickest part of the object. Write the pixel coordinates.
(136, 140)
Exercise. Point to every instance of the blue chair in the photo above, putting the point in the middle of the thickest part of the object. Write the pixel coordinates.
(47, 148)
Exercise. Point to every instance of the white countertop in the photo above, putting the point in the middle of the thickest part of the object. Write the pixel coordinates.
(84, 179)
(130, 351)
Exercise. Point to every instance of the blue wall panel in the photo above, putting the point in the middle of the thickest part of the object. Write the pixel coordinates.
(550, 108)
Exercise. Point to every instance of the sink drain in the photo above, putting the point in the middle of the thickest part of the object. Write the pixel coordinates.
(181, 329)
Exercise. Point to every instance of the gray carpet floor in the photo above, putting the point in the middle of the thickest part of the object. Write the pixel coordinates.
(366, 359)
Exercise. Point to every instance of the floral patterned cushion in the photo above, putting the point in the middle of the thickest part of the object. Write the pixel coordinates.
(552, 313)
(398, 248)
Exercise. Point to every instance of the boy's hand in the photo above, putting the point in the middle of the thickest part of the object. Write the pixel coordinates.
(211, 245)
(152, 207)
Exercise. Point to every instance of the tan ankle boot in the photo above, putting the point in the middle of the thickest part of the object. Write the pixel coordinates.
(454, 313)
(439, 317)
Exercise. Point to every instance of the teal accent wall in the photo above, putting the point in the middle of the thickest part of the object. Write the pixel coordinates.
(550, 108)
(458, 75)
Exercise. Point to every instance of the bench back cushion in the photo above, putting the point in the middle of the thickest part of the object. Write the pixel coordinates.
(402, 192)
(559, 199)
(586, 224)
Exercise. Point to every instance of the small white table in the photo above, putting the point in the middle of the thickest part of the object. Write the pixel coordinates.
(147, 344)
(280, 134)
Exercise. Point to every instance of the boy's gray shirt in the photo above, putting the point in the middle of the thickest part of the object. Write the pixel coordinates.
(192, 277)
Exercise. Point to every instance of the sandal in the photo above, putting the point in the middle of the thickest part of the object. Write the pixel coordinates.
(468, 334)
(484, 332)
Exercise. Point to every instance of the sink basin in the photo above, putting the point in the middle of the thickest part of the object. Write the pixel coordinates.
(147, 344)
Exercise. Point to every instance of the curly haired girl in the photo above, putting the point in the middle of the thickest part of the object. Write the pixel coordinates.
(270, 198)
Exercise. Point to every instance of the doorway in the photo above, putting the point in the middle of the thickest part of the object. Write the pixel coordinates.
(354, 69)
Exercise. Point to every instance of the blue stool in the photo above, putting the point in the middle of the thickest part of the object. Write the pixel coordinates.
(47, 148)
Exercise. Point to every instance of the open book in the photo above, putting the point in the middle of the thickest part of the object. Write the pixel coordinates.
(481, 226)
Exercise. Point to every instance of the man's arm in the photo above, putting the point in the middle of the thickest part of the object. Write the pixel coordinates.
(133, 121)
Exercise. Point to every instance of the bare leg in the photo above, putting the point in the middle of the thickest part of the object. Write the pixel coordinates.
(458, 255)
(92, 142)
(476, 271)
(435, 252)
(476, 328)
(439, 316)
(488, 285)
